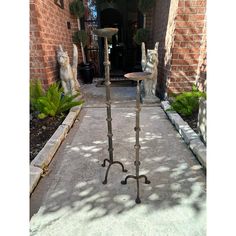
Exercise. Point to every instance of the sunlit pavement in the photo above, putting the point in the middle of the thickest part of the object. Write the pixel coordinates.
(71, 199)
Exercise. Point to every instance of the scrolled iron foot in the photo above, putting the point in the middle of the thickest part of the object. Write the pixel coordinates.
(108, 168)
(137, 200)
(123, 168)
(104, 162)
(105, 180)
(146, 179)
(127, 177)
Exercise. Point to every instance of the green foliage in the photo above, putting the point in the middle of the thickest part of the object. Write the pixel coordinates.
(145, 5)
(80, 37)
(52, 102)
(188, 102)
(77, 8)
(36, 91)
(141, 36)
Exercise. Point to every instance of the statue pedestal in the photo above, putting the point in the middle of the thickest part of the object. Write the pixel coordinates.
(150, 99)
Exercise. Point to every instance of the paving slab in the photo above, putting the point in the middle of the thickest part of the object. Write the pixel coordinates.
(71, 200)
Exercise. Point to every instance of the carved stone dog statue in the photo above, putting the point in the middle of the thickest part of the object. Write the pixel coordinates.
(68, 73)
(149, 64)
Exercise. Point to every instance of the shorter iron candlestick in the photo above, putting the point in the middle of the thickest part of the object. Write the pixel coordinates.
(107, 33)
(137, 76)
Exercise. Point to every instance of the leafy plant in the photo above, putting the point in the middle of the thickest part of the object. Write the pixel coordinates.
(80, 37)
(142, 33)
(77, 9)
(188, 102)
(141, 36)
(52, 102)
(36, 91)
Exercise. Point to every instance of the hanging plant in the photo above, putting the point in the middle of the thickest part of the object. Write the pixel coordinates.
(141, 36)
(80, 37)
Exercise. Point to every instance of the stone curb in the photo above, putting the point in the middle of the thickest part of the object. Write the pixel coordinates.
(199, 149)
(190, 137)
(35, 174)
(44, 157)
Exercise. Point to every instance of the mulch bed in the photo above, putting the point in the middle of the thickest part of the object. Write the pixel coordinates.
(192, 121)
(41, 131)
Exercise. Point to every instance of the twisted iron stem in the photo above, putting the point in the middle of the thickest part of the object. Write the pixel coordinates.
(137, 147)
(109, 119)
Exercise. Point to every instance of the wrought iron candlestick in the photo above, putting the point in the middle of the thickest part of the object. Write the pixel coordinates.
(107, 33)
(137, 76)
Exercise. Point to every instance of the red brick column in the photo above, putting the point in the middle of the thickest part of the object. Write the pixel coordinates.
(179, 27)
(189, 36)
(37, 64)
(149, 26)
(48, 29)
(163, 18)
(202, 64)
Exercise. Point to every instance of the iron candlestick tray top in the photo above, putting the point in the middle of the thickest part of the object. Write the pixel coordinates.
(137, 76)
(108, 33)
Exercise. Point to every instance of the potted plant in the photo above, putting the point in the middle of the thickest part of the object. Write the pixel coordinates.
(85, 69)
(142, 33)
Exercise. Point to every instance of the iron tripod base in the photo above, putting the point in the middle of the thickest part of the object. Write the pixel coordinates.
(137, 200)
(109, 166)
(137, 76)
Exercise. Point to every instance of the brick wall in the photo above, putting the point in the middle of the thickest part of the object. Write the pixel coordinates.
(48, 29)
(188, 40)
(202, 63)
(149, 26)
(179, 27)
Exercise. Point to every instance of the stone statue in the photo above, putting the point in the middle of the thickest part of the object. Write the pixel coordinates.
(149, 64)
(68, 73)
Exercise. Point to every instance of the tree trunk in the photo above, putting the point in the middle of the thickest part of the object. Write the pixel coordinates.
(81, 44)
(144, 20)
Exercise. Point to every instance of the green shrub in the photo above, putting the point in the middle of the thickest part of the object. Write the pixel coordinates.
(36, 91)
(77, 8)
(187, 103)
(52, 102)
(80, 37)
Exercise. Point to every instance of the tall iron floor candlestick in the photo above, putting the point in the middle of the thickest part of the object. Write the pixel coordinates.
(107, 33)
(137, 76)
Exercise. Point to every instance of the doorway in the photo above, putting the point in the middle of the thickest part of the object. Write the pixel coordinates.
(113, 18)
(124, 53)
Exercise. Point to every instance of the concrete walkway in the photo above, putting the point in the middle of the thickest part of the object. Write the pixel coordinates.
(71, 199)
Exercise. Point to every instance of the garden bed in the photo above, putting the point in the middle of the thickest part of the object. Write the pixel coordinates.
(192, 121)
(41, 131)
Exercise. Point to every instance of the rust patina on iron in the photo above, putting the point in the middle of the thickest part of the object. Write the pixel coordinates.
(107, 33)
(137, 76)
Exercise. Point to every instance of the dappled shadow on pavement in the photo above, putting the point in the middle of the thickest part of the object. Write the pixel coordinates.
(76, 190)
